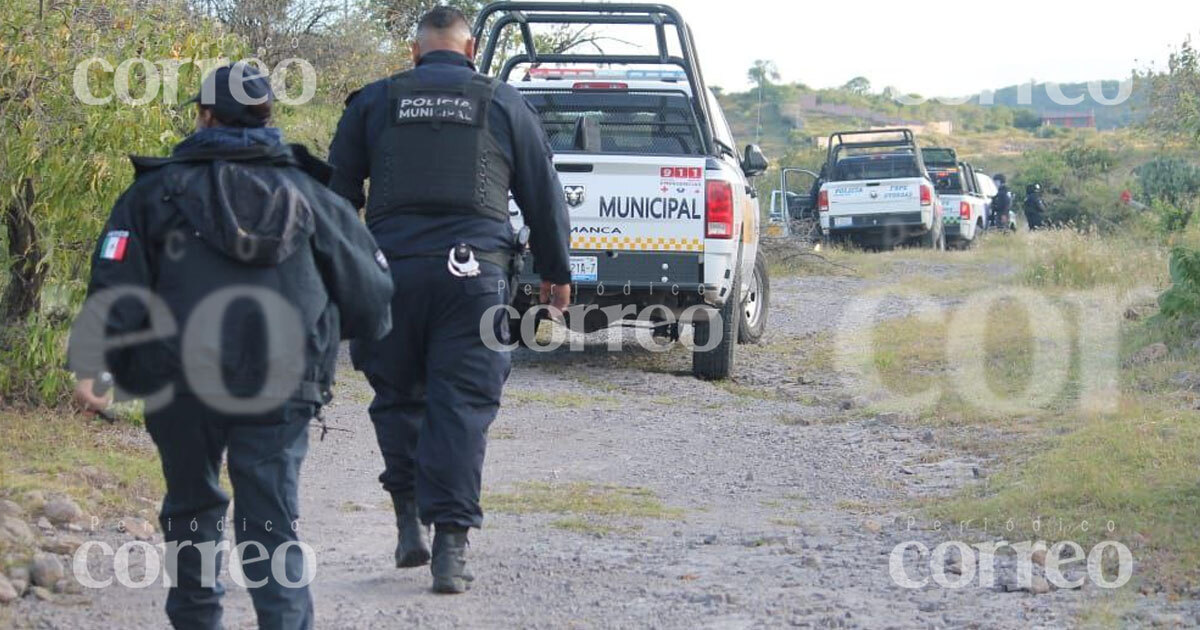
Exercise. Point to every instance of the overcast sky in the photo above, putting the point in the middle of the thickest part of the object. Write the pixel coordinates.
(936, 48)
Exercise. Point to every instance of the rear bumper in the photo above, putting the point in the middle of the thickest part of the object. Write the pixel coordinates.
(628, 272)
(897, 224)
(956, 228)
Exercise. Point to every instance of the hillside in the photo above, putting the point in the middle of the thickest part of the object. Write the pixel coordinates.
(795, 118)
(1038, 100)
(789, 121)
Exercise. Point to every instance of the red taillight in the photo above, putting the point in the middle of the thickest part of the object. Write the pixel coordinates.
(926, 195)
(964, 210)
(823, 201)
(719, 218)
(600, 85)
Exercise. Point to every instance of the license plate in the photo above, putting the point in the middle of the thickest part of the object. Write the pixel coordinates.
(583, 268)
(843, 221)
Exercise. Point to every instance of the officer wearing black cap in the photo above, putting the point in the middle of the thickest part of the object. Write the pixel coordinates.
(443, 146)
(223, 281)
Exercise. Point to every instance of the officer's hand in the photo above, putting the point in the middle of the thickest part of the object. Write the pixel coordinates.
(556, 295)
(86, 397)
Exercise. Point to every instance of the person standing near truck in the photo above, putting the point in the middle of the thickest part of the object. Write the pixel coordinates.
(443, 146)
(1035, 206)
(1001, 203)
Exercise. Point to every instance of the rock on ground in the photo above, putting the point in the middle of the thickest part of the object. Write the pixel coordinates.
(62, 510)
(46, 570)
(14, 530)
(8, 593)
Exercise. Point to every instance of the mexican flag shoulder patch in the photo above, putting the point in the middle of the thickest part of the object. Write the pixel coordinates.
(114, 246)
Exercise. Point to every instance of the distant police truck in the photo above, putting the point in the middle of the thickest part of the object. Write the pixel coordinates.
(665, 225)
(963, 193)
(878, 192)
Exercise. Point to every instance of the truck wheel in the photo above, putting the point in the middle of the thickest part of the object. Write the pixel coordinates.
(935, 239)
(717, 364)
(756, 304)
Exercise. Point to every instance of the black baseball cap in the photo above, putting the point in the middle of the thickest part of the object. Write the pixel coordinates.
(232, 92)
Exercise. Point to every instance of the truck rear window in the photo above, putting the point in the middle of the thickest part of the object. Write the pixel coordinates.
(939, 157)
(857, 168)
(947, 182)
(640, 123)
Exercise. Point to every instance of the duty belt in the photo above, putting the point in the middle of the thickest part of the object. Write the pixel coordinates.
(503, 260)
(461, 256)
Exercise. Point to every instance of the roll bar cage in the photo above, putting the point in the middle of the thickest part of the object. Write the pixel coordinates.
(659, 16)
(838, 141)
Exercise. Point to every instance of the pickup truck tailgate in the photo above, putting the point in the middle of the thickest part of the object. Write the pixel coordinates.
(634, 219)
(633, 203)
(867, 197)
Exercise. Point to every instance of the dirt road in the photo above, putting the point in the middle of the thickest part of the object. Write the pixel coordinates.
(628, 494)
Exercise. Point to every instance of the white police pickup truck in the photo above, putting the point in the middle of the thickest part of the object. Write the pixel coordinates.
(963, 198)
(664, 222)
(878, 192)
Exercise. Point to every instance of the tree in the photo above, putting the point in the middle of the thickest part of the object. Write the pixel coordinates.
(1025, 118)
(274, 28)
(762, 73)
(401, 16)
(858, 85)
(1175, 95)
(63, 162)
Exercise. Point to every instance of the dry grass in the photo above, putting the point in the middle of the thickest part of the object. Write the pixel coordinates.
(581, 499)
(1133, 465)
(1075, 260)
(106, 469)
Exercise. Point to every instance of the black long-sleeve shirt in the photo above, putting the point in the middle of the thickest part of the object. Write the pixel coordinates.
(518, 130)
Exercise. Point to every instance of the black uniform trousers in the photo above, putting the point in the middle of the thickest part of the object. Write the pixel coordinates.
(265, 454)
(438, 385)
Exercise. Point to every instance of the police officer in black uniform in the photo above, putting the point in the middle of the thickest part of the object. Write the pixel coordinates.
(1035, 207)
(443, 146)
(221, 285)
(1001, 203)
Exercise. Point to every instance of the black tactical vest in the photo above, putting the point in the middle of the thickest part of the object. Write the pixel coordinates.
(437, 155)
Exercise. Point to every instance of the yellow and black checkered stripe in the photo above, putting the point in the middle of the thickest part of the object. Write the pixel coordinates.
(632, 243)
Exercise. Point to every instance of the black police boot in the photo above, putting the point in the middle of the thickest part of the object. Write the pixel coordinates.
(412, 550)
(449, 568)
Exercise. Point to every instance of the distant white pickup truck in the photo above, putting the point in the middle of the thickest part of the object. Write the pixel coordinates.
(962, 194)
(878, 192)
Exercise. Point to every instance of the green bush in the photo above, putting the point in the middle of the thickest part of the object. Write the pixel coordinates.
(1182, 300)
(1171, 218)
(1088, 159)
(1092, 205)
(1168, 179)
(1024, 118)
(74, 154)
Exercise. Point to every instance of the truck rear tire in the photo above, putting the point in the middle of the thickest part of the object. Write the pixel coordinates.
(935, 239)
(717, 364)
(756, 304)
